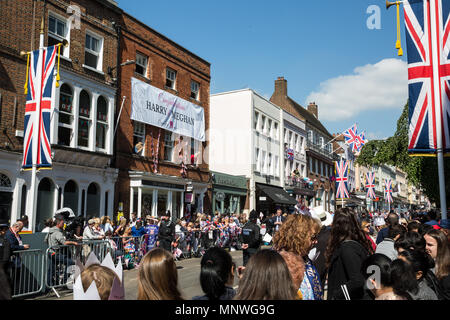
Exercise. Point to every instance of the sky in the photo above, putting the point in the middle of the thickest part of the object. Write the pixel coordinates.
(339, 54)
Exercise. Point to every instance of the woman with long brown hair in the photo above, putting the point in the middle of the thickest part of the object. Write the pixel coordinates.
(295, 238)
(266, 277)
(347, 248)
(437, 247)
(158, 277)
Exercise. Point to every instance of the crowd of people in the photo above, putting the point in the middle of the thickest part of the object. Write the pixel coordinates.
(309, 256)
(365, 256)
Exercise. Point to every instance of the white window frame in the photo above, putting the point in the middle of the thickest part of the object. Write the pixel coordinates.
(263, 162)
(269, 127)
(88, 119)
(258, 160)
(263, 124)
(67, 22)
(275, 128)
(276, 166)
(140, 133)
(256, 121)
(102, 122)
(270, 164)
(196, 91)
(143, 65)
(71, 114)
(169, 72)
(98, 54)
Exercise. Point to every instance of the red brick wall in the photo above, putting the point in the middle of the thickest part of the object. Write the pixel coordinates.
(161, 53)
(16, 31)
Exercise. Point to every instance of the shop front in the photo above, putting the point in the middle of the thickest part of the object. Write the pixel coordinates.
(270, 198)
(154, 195)
(229, 193)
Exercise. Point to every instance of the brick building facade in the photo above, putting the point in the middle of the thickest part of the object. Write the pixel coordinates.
(82, 120)
(160, 64)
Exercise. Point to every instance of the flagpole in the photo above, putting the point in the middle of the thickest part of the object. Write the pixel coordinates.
(33, 186)
(436, 75)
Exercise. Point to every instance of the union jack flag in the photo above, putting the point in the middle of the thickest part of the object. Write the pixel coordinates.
(351, 138)
(38, 109)
(388, 190)
(370, 185)
(342, 179)
(428, 33)
(361, 140)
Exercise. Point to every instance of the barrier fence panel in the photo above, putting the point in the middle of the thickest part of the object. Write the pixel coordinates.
(27, 272)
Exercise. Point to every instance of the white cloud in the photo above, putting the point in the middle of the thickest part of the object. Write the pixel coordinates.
(383, 85)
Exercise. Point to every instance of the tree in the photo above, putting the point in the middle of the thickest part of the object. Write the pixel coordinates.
(422, 171)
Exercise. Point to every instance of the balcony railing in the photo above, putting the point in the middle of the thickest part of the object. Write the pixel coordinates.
(297, 182)
(319, 149)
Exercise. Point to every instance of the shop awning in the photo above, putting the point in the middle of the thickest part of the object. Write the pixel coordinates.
(278, 195)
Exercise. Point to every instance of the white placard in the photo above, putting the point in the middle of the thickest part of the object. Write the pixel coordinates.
(162, 109)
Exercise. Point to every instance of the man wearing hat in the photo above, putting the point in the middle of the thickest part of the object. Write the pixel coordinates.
(56, 238)
(250, 237)
(166, 232)
(5, 256)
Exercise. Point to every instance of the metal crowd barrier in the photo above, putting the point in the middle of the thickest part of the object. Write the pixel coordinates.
(35, 270)
(27, 272)
(60, 261)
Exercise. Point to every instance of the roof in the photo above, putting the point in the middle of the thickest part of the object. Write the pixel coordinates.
(309, 117)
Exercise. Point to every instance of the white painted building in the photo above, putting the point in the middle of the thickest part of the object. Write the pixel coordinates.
(246, 140)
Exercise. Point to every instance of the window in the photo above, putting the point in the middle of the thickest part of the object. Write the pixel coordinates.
(138, 137)
(270, 165)
(290, 140)
(310, 136)
(195, 89)
(141, 64)
(84, 119)
(168, 146)
(102, 123)
(269, 128)
(258, 163)
(93, 51)
(57, 32)
(275, 128)
(316, 166)
(263, 162)
(311, 165)
(321, 168)
(321, 142)
(65, 115)
(285, 136)
(255, 124)
(276, 169)
(171, 76)
(302, 147)
(263, 124)
(296, 143)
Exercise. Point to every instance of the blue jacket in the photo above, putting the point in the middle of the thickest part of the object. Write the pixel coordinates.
(382, 234)
(15, 246)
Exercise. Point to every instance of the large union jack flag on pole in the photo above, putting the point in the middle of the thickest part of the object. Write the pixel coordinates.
(388, 191)
(370, 185)
(342, 179)
(427, 24)
(37, 150)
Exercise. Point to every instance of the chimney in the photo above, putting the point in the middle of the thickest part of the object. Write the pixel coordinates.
(313, 108)
(281, 86)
